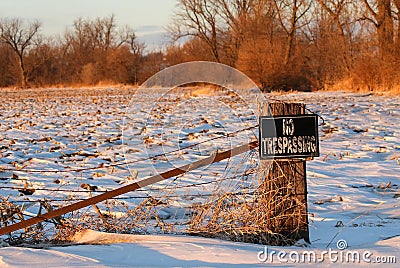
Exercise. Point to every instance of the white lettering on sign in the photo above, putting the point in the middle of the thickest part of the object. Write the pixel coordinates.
(288, 127)
(289, 145)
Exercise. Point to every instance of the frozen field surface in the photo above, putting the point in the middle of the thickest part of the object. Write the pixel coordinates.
(57, 145)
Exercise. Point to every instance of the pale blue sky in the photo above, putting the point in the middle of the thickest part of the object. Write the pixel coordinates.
(147, 17)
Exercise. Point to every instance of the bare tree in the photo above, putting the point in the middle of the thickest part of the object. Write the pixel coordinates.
(290, 12)
(128, 37)
(99, 33)
(241, 20)
(102, 32)
(221, 24)
(92, 46)
(19, 37)
(235, 13)
(382, 18)
(337, 11)
(198, 18)
(236, 16)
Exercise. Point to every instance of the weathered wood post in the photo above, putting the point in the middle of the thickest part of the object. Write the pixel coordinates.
(285, 143)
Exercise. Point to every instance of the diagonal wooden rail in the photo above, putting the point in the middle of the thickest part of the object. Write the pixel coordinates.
(129, 188)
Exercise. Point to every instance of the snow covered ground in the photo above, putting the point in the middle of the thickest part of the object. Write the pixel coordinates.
(353, 187)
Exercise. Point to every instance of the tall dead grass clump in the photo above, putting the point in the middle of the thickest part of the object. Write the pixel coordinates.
(272, 214)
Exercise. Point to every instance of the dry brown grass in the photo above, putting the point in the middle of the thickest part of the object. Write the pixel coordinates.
(349, 85)
(274, 214)
(11, 213)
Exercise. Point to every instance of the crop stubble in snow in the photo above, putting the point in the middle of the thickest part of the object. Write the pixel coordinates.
(76, 135)
(353, 185)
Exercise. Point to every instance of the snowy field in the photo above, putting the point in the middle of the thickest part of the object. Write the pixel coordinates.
(62, 147)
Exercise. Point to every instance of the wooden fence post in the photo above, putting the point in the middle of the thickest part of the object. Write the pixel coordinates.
(285, 188)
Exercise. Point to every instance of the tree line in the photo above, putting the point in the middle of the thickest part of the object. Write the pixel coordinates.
(92, 52)
(280, 44)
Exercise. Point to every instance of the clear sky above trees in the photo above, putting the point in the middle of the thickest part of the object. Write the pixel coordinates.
(144, 16)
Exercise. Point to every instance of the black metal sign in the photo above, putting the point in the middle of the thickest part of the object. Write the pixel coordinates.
(294, 136)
